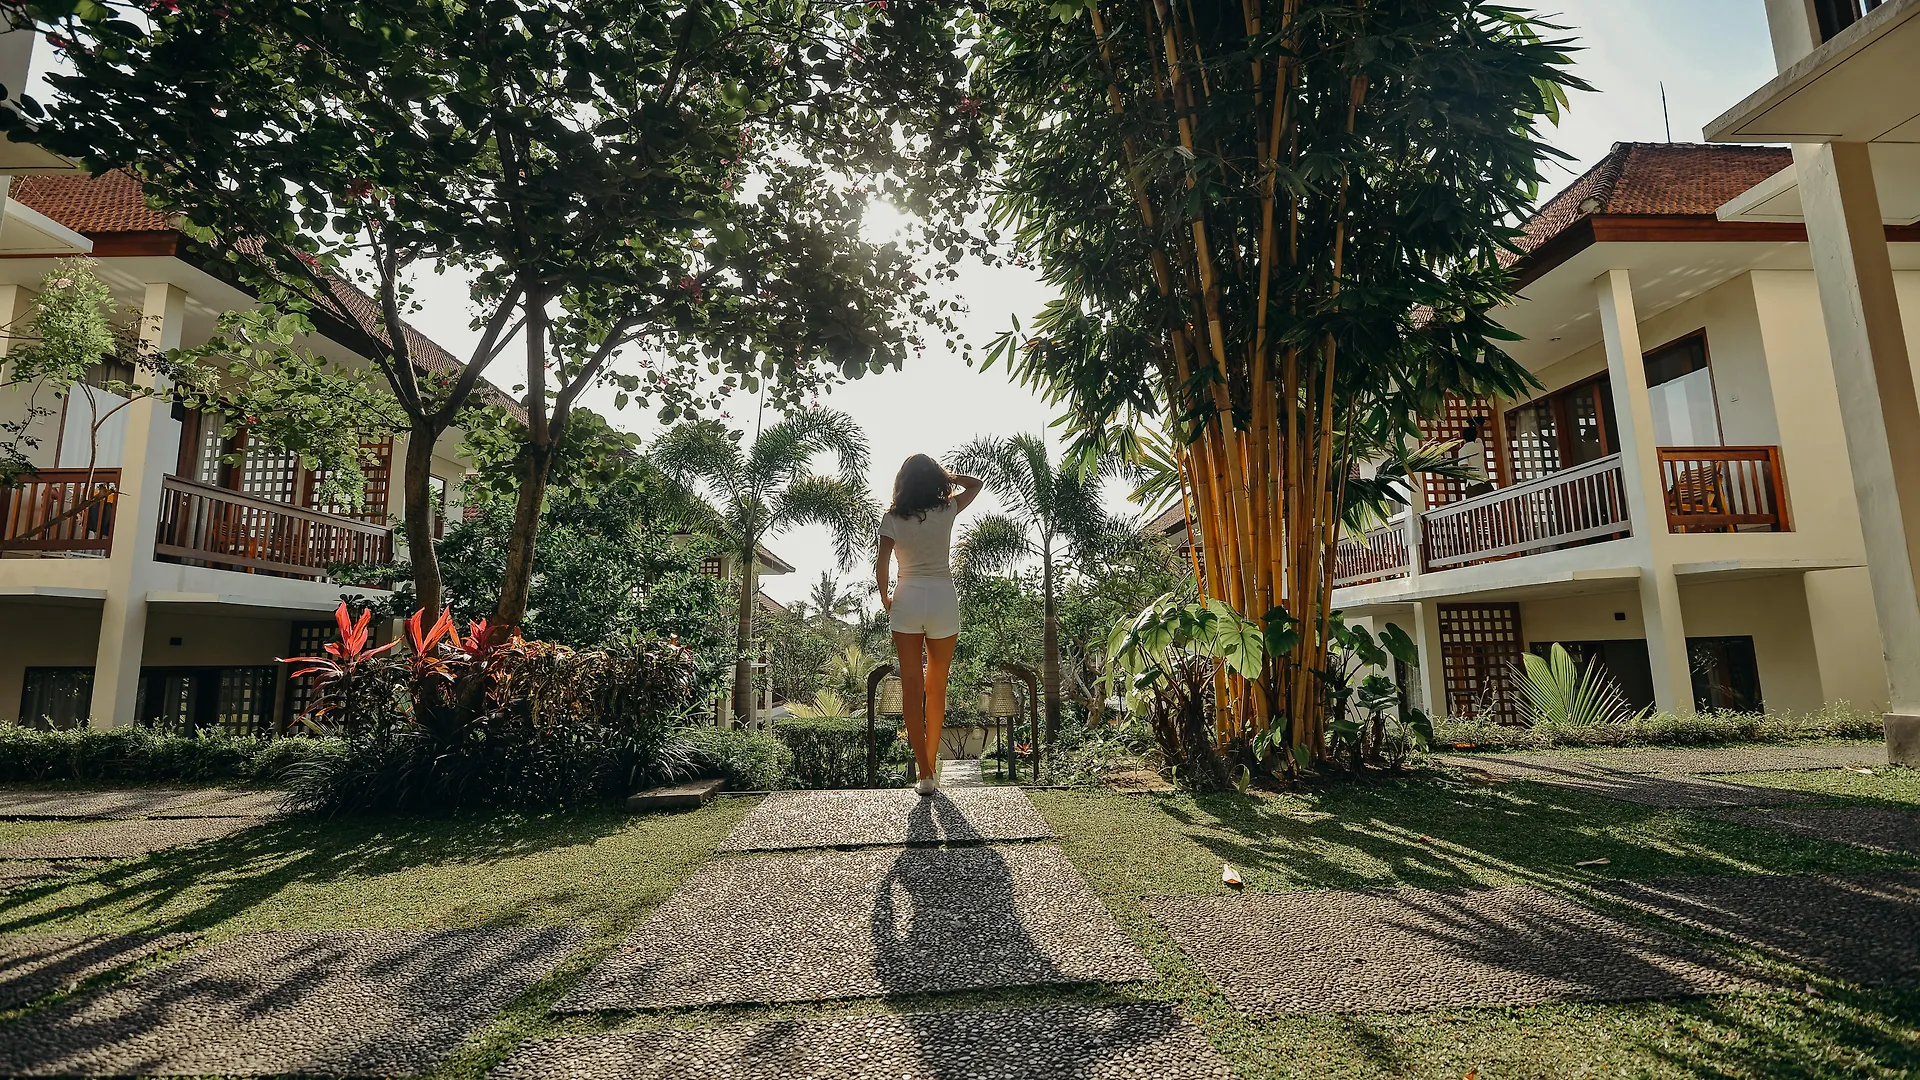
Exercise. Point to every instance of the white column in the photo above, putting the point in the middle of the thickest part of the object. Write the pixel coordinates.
(1646, 495)
(1879, 408)
(1433, 673)
(153, 440)
(1795, 30)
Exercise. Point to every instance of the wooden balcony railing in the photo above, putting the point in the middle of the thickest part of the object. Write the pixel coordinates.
(205, 525)
(1573, 506)
(60, 510)
(1723, 488)
(1373, 556)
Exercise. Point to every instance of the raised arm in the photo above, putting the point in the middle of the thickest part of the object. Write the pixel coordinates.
(882, 570)
(969, 490)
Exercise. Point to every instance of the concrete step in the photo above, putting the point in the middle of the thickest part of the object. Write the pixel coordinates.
(689, 796)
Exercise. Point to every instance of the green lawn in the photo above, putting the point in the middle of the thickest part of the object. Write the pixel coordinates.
(607, 870)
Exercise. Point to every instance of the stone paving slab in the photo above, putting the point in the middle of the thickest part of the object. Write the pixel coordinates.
(792, 820)
(254, 804)
(123, 839)
(1864, 927)
(1645, 788)
(116, 803)
(1084, 1043)
(343, 1002)
(1763, 757)
(15, 874)
(842, 924)
(33, 966)
(1330, 951)
(1876, 828)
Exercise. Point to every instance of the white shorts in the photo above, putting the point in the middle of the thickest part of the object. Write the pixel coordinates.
(925, 605)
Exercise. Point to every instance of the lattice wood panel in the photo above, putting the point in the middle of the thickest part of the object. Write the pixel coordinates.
(245, 701)
(1457, 414)
(1533, 441)
(309, 639)
(270, 474)
(373, 498)
(1480, 644)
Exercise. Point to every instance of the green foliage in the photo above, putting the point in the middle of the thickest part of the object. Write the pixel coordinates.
(827, 705)
(747, 760)
(1086, 757)
(1557, 693)
(470, 723)
(831, 752)
(1837, 721)
(143, 755)
(798, 652)
(1370, 720)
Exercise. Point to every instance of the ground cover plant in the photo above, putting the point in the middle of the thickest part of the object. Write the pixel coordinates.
(143, 755)
(1838, 721)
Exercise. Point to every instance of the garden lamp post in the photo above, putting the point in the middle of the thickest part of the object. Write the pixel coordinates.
(880, 684)
(1003, 705)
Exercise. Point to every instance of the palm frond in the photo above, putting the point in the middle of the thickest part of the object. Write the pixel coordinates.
(701, 452)
(995, 543)
(851, 518)
(1555, 691)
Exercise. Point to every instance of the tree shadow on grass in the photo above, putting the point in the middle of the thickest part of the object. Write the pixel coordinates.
(228, 876)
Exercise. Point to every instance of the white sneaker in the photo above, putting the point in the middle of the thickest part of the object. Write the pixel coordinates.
(926, 785)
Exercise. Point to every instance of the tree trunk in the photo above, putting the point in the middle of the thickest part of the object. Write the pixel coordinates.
(1050, 658)
(743, 667)
(516, 584)
(419, 509)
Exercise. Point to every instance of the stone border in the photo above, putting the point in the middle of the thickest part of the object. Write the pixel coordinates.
(344, 1002)
(793, 820)
(877, 921)
(1332, 951)
(1086, 1043)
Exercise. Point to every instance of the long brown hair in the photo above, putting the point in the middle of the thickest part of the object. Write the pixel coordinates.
(921, 485)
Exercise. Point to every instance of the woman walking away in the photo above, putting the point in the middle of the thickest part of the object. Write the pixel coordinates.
(924, 611)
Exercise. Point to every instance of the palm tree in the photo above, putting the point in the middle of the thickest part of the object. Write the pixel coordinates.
(1051, 509)
(828, 600)
(768, 488)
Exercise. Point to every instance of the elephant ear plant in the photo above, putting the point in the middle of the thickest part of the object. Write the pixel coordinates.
(1370, 720)
(1168, 664)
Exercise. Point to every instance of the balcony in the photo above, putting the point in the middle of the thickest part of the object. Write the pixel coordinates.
(1707, 489)
(72, 511)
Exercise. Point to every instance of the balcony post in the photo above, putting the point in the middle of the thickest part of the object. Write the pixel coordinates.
(1646, 495)
(1879, 408)
(153, 439)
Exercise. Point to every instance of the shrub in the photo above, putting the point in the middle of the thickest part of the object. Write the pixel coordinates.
(746, 760)
(831, 752)
(487, 721)
(136, 754)
(1086, 757)
(1837, 721)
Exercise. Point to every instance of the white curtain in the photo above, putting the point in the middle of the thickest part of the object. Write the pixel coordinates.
(77, 438)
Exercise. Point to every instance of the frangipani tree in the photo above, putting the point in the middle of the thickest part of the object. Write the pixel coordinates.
(764, 489)
(1271, 223)
(1052, 509)
(664, 196)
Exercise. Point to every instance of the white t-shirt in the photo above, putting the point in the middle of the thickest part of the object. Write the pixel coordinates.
(923, 546)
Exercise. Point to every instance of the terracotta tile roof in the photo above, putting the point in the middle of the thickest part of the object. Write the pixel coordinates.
(114, 203)
(111, 203)
(1656, 179)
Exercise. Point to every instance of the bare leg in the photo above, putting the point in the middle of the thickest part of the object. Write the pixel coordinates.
(939, 665)
(913, 697)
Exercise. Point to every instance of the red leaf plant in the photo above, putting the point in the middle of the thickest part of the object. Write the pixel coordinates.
(335, 673)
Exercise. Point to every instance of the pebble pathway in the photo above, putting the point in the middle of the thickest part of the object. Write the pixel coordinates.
(33, 966)
(1876, 828)
(1696, 760)
(1628, 784)
(796, 820)
(1410, 949)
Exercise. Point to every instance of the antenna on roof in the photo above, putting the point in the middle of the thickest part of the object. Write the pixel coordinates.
(1664, 114)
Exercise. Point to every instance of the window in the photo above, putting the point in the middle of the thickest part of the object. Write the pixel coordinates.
(1566, 428)
(93, 427)
(56, 698)
(1726, 675)
(1680, 389)
(182, 701)
(1837, 15)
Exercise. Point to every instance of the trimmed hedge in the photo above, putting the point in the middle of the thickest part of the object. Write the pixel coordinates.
(142, 755)
(746, 760)
(831, 752)
(1838, 721)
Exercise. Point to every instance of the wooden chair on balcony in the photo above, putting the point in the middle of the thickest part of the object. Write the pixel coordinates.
(1698, 491)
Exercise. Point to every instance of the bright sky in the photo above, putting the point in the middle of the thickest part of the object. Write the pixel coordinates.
(1709, 53)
